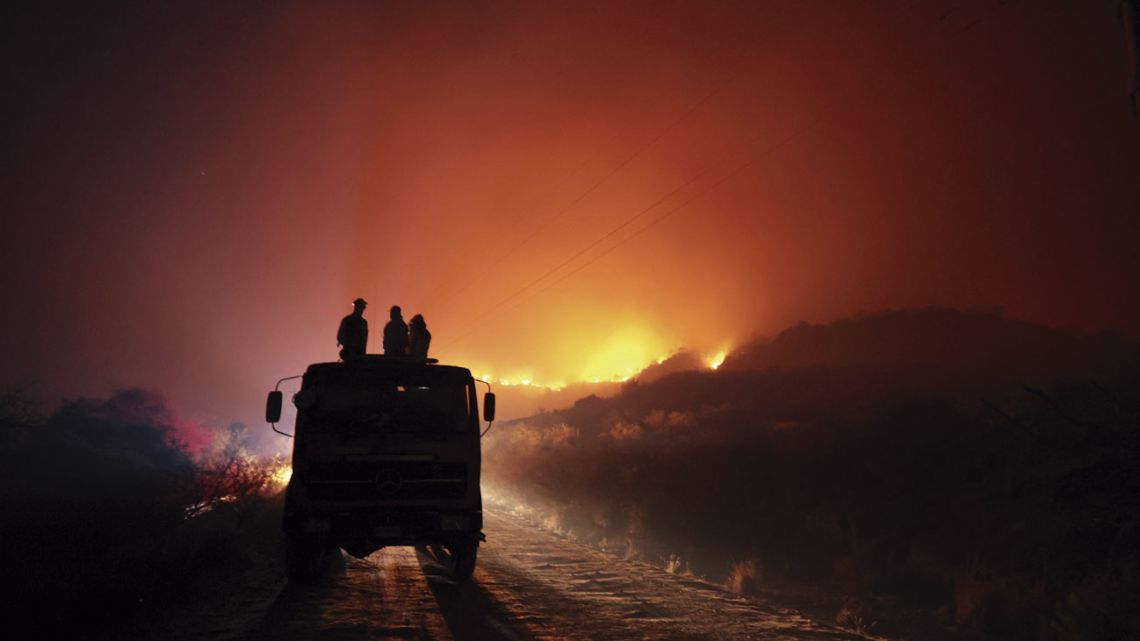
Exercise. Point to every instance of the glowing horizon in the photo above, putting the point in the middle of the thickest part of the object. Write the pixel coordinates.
(558, 213)
(625, 357)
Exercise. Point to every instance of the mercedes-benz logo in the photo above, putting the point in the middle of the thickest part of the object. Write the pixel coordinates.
(388, 481)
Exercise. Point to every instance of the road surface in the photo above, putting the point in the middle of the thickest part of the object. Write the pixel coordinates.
(529, 584)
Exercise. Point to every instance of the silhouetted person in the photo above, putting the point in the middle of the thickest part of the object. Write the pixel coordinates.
(396, 334)
(352, 336)
(418, 337)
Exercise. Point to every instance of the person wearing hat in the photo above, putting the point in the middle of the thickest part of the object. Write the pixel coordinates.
(396, 334)
(352, 337)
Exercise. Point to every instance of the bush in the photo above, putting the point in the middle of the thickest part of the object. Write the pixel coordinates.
(1005, 509)
(107, 517)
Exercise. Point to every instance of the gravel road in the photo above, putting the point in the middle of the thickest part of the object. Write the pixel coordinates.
(529, 584)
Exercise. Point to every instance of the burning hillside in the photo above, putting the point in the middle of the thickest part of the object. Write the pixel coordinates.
(935, 486)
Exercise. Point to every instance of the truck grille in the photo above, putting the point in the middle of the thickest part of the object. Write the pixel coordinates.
(403, 481)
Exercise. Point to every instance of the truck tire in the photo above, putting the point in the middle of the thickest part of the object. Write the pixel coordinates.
(307, 561)
(463, 559)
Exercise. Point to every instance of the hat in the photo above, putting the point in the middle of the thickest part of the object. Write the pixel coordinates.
(359, 301)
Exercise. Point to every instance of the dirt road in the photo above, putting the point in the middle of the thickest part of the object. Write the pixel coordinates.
(529, 584)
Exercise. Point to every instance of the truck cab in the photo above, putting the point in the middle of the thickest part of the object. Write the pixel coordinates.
(385, 452)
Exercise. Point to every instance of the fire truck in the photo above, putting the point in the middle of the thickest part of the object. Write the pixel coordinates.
(385, 452)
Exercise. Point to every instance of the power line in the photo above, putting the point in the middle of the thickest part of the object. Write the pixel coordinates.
(592, 245)
(502, 256)
(637, 233)
(733, 173)
(597, 184)
(714, 185)
(688, 113)
(660, 135)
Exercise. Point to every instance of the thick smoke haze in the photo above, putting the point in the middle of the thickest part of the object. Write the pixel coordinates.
(194, 194)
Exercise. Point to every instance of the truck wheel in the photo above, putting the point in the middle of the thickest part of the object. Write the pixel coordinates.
(463, 558)
(307, 561)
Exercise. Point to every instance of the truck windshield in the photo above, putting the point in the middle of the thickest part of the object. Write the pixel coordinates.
(381, 404)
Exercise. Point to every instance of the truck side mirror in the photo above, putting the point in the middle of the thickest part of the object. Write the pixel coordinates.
(273, 407)
(489, 407)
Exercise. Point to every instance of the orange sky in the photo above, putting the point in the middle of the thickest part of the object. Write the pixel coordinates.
(198, 193)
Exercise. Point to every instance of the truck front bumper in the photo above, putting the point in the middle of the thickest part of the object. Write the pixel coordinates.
(365, 531)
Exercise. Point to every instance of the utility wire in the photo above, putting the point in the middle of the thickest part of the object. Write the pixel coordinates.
(598, 183)
(503, 255)
(586, 249)
(690, 200)
(712, 187)
(751, 160)
(660, 135)
(617, 169)
(679, 207)
(735, 171)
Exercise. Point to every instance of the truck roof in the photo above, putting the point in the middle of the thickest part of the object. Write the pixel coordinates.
(378, 362)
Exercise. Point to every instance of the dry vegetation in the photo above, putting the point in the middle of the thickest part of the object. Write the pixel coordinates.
(908, 498)
(108, 520)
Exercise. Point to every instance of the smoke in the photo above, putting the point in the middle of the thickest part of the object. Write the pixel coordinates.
(130, 444)
(149, 409)
(446, 159)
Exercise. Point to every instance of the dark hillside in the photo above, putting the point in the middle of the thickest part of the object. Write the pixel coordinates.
(975, 343)
(682, 361)
(987, 496)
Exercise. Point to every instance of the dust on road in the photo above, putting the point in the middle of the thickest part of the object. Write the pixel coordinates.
(529, 584)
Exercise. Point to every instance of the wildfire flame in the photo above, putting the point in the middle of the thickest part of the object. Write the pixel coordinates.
(617, 362)
(715, 360)
(281, 474)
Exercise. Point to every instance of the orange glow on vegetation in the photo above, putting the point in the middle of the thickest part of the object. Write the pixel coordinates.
(626, 353)
(616, 360)
(281, 475)
(518, 380)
